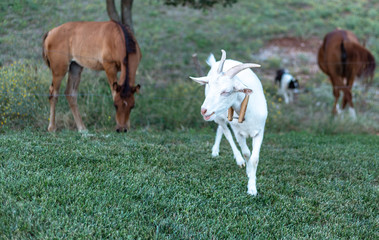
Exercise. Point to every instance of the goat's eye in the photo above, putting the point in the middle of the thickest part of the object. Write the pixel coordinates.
(225, 93)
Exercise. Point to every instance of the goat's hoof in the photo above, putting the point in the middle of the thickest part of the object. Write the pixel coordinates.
(240, 162)
(215, 154)
(242, 165)
(252, 192)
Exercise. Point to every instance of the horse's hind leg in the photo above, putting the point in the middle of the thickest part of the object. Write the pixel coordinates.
(53, 96)
(72, 93)
(336, 93)
(348, 99)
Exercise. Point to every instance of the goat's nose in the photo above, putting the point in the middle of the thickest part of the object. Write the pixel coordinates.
(203, 111)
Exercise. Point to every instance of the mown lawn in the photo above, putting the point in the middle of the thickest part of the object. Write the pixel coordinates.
(150, 184)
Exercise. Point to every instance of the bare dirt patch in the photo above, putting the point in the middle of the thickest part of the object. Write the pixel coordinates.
(299, 56)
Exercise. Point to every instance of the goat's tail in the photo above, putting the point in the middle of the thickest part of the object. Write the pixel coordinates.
(211, 60)
(44, 55)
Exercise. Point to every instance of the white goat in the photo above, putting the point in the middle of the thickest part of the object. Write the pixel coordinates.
(223, 128)
(230, 85)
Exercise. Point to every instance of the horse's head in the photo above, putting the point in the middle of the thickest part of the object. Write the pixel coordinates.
(123, 100)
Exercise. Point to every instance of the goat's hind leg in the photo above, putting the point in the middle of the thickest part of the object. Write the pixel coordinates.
(72, 94)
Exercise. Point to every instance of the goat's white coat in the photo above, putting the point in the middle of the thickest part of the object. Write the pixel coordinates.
(255, 117)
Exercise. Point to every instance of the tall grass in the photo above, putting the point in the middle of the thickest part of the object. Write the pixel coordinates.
(24, 103)
(168, 37)
(20, 91)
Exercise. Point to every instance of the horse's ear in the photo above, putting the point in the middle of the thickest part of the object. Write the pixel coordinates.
(136, 89)
(116, 87)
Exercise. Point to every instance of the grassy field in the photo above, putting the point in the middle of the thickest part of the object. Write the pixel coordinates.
(156, 185)
(317, 177)
(168, 37)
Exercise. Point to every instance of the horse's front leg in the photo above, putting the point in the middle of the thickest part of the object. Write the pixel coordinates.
(111, 72)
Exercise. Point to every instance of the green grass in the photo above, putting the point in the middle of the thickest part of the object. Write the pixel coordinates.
(159, 181)
(149, 184)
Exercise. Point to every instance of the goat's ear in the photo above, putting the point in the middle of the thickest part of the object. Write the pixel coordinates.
(201, 80)
(240, 87)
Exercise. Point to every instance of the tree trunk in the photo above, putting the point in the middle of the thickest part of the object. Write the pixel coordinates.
(111, 10)
(126, 13)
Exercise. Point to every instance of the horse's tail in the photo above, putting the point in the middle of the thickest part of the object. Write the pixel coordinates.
(369, 68)
(361, 60)
(44, 55)
(370, 65)
(343, 59)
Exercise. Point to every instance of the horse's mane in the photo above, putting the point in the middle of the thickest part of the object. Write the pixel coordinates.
(131, 47)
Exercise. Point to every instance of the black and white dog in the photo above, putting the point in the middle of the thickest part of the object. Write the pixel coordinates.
(288, 85)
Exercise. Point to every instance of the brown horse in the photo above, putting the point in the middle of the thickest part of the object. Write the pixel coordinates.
(342, 57)
(107, 46)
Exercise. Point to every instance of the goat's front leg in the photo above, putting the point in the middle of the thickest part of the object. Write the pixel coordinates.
(252, 164)
(216, 146)
(237, 155)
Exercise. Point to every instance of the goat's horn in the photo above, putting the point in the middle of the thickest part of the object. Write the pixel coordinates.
(236, 69)
(222, 61)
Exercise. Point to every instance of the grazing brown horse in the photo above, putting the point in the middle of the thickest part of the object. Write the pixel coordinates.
(342, 57)
(106, 46)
